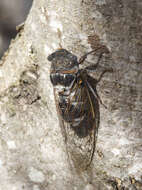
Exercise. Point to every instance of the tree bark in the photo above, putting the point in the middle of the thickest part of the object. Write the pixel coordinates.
(33, 153)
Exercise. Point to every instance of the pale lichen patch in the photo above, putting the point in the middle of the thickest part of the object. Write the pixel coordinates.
(115, 151)
(54, 22)
(36, 175)
(100, 2)
(11, 144)
(35, 187)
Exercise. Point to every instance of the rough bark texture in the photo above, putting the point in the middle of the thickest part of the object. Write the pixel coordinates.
(32, 151)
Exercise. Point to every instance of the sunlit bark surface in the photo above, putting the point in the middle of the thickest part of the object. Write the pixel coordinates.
(32, 151)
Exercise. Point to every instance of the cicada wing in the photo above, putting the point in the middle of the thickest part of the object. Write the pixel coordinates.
(81, 139)
(80, 150)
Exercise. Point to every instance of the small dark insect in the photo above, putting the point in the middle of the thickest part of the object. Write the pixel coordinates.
(77, 105)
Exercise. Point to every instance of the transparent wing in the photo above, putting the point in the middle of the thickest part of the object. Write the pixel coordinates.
(80, 133)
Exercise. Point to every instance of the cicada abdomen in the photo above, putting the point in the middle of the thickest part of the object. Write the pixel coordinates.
(77, 105)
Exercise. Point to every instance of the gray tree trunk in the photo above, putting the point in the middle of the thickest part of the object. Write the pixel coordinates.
(32, 150)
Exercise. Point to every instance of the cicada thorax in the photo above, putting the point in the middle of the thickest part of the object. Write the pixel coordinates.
(77, 107)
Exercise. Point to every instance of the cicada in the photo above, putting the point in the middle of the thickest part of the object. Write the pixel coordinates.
(77, 105)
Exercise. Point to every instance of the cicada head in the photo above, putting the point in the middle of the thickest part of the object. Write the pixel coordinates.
(64, 67)
(62, 61)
